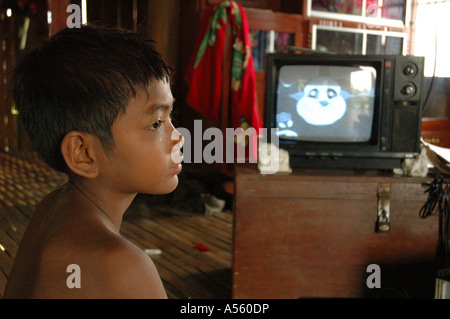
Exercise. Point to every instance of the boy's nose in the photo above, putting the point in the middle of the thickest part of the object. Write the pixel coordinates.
(178, 139)
(176, 136)
(177, 155)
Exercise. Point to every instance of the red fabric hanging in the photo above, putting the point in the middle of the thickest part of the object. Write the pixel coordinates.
(204, 73)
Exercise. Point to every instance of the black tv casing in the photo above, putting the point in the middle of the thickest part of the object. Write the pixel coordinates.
(397, 118)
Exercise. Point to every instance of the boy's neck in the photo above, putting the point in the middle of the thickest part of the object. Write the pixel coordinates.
(99, 200)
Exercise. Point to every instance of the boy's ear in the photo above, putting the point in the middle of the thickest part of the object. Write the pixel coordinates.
(78, 150)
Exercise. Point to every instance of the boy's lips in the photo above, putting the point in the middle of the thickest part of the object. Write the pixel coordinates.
(176, 154)
(177, 159)
(175, 169)
(181, 159)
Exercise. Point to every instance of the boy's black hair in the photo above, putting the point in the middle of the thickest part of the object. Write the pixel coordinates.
(81, 79)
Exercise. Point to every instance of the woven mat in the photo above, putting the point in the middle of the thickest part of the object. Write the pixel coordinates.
(25, 179)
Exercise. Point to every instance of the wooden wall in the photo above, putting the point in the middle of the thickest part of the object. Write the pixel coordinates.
(19, 33)
(155, 19)
(8, 121)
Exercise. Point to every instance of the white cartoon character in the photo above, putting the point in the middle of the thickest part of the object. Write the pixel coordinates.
(284, 123)
(322, 103)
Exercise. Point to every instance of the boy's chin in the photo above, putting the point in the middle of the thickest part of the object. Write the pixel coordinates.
(174, 186)
(167, 188)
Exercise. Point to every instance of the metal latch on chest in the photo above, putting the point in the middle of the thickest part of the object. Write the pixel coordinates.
(383, 224)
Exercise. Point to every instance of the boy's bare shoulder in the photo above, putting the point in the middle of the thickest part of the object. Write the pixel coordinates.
(131, 273)
(65, 242)
(108, 266)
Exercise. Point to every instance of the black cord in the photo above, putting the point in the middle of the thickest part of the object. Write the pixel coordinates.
(425, 103)
(438, 204)
(435, 198)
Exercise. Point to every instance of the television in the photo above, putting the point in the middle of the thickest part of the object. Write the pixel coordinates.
(345, 111)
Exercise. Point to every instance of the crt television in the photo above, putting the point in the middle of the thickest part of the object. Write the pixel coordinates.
(345, 111)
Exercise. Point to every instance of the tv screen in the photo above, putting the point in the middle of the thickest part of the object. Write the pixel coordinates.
(326, 103)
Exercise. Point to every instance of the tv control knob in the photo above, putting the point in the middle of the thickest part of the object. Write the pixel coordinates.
(410, 69)
(409, 89)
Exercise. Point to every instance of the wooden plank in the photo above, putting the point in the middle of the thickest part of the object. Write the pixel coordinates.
(14, 220)
(181, 245)
(6, 263)
(202, 231)
(218, 249)
(8, 244)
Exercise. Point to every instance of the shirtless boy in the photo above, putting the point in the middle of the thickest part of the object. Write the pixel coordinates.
(96, 103)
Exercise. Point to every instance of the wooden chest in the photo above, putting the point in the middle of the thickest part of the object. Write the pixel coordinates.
(311, 234)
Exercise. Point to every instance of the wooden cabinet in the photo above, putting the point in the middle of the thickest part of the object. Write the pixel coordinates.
(312, 234)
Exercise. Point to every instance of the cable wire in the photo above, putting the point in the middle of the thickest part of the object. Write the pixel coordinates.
(438, 204)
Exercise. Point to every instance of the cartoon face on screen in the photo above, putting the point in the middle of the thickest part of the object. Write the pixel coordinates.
(285, 123)
(322, 103)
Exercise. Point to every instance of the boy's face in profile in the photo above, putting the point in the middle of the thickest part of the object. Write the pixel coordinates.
(146, 156)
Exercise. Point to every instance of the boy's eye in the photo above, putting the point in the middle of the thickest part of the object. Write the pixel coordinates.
(156, 126)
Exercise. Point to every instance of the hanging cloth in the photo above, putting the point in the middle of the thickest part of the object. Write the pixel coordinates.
(204, 73)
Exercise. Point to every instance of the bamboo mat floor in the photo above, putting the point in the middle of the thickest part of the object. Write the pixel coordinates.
(186, 269)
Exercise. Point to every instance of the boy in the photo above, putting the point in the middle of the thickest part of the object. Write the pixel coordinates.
(96, 103)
